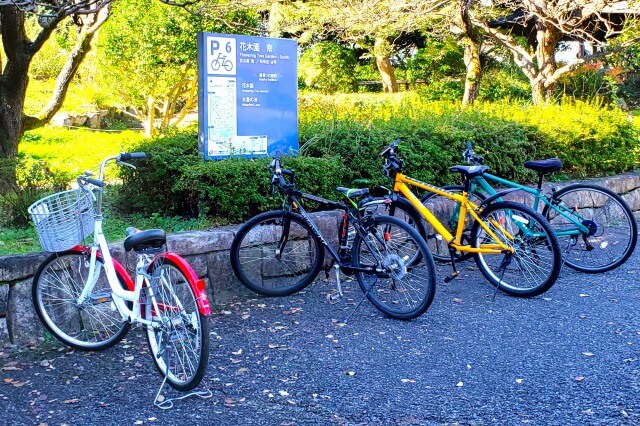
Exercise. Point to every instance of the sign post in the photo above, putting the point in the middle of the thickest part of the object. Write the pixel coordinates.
(248, 96)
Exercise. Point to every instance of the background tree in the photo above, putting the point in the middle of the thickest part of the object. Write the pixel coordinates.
(368, 24)
(541, 25)
(153, 67)
(19, 49)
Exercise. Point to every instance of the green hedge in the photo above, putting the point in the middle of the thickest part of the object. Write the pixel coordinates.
(340, 137)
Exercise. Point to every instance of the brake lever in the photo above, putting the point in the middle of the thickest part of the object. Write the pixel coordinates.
(123, 163)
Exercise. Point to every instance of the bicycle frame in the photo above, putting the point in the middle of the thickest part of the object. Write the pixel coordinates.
(113, 269)
(401, 185)
(350, 216)
(538, 196)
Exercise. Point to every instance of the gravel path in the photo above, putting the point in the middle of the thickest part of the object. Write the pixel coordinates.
(571, 356)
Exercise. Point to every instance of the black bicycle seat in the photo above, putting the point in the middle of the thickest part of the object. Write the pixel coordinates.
(352, 192)
(145, 240)
(544, 166)
(469, 171)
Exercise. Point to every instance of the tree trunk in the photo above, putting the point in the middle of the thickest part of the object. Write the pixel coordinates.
(542, 88)
(90, 25)
(472, 43)
(474, 72)
(13, 88)
(151, 115)
(389, 83)
(381, 51)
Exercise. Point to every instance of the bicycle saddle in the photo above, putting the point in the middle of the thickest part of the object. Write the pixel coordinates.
(469, 171)
(145, 240)
(544, 166)
(352, 192)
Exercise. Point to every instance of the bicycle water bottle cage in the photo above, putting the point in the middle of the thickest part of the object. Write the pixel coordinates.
(469, 171)
(148, 241)
(544, 166)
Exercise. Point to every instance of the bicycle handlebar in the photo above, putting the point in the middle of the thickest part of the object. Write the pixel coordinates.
(278, 175)
(390, 150)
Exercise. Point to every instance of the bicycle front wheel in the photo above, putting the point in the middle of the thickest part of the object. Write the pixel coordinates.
(396, 285)
(179, 336)
(612, 230)
(92, 325)
(533, 265)
(276, 254)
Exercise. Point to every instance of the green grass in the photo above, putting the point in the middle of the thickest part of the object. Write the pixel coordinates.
(80, 98)
(74, 150)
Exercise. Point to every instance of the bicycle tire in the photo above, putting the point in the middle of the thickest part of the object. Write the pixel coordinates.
(613, 228)
(534, 266)
(179, 345)
(404, 290)
(254, 248)
(57, 284)
(446, 210)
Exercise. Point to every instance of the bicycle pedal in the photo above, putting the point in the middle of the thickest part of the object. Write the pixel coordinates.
(451, 277)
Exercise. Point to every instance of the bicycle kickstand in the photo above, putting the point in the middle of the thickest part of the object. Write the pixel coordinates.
(572, 242)
(333, 297)
(454, 273)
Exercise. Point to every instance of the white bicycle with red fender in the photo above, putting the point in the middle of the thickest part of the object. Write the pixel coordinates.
(87, 300)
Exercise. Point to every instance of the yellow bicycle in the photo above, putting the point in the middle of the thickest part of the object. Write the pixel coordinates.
(514, 247)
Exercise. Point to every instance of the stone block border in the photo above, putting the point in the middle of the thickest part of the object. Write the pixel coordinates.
(206, 251)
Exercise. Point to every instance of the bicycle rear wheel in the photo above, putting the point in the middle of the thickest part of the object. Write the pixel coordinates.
(612, 234)
(260, 263)
(535, 263)
(399, 288)
(179, 341)
(94, 325)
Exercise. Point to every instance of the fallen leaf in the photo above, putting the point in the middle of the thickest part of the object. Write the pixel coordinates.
(460, 384)
(350, 373)
(519, 380)
(241, 370)
(589, 354)
(584, 295)
(283, 393)
(129, 358)
(239, 352)
(229, 401)
(579, 379)
(407, 380)
(582, 316)
(246, 316)
(457, 300)
(71, 401)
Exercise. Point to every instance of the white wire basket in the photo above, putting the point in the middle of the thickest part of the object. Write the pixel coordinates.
(63, 220)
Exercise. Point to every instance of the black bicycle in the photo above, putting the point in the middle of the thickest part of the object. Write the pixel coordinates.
(280, 252)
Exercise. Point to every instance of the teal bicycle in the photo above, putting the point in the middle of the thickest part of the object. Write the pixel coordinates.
(596, 228)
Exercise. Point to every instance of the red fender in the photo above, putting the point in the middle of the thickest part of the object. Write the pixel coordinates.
(197, 285)
(121, 271)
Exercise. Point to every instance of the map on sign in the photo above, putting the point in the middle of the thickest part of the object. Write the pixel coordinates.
(247, 96)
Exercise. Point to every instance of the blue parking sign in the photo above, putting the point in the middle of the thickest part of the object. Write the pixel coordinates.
(248, 96)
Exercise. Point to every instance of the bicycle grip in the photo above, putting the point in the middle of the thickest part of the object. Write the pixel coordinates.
(125, 156)
(95, 182)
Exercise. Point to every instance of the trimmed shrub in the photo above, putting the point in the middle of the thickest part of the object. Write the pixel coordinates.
(340, 137)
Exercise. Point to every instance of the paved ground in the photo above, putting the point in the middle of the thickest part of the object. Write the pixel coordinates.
(571, 356)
